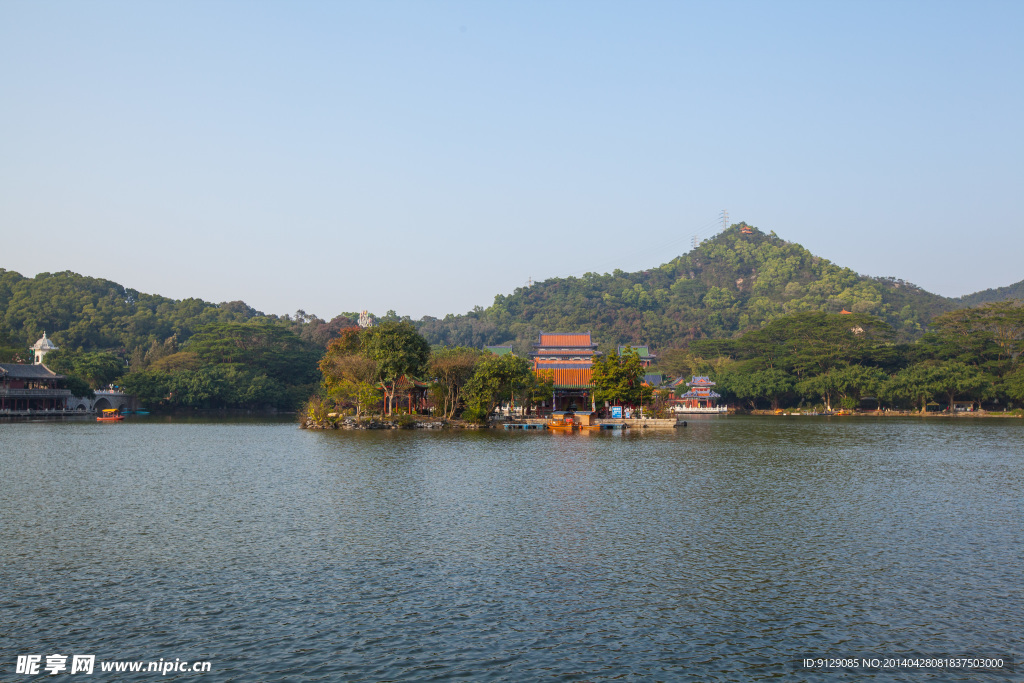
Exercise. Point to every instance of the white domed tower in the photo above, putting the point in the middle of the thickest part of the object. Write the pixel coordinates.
(41, 348)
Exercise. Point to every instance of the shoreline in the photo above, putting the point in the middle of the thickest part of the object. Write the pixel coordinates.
(887, 413)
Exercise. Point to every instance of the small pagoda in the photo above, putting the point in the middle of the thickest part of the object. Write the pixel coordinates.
(700, 397)
(42, 347)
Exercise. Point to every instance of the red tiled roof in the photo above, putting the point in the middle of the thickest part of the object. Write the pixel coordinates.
(565, 340)
(572, 378)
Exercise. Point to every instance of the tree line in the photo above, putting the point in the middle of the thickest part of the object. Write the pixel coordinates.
(256, 364)
(856, 360)
(171, 353)
(724, 304)
(364, 370)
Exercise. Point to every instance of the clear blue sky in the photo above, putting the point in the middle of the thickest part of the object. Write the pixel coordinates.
(425, 156)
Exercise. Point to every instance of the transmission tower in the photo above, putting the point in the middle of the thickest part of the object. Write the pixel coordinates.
(725, 219)
(693, 242)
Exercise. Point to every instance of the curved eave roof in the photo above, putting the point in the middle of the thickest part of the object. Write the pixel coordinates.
(710, 394)
(24, 371)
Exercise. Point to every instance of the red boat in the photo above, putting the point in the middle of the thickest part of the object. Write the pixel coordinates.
(110, 415)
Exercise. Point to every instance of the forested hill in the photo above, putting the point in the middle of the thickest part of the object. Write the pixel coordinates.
(171, 354)
(731, 283)
(1014, 291)
(90, 314)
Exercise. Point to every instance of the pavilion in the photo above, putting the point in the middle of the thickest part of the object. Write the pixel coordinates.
(34, 388)
(570, 360)
(700, 398)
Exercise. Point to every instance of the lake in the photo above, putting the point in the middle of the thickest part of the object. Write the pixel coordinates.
(725, 551)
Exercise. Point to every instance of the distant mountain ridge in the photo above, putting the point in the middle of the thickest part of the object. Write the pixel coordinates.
(1014, 291)
(733, 282)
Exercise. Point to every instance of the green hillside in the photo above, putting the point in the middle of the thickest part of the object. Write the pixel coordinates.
(90, 314)
(730, 284)
(1010, 292)
(175, 354)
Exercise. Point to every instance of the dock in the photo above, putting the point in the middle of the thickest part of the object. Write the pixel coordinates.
(650, 423)
(521, 426)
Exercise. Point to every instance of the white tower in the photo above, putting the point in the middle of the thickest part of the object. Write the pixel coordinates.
(41, 348)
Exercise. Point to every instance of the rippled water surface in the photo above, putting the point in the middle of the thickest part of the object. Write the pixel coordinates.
(723, 551)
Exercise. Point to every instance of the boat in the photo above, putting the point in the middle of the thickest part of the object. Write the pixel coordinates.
(565, 423)
(572, 420)
(110, 415)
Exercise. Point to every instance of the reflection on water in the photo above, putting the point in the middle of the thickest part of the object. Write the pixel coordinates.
(724, 550)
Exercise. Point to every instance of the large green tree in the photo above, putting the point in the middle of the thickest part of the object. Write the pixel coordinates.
(912, 384)
(856, 381)
(975, 335)
(97, 368)
(151, 387)
(769, 384)
(497, 379)
(349, 376)
(824, 386)
(1013, 385)
(618, 379)
(539, 388)
(398, 351)
(451, 369)
(954, 378)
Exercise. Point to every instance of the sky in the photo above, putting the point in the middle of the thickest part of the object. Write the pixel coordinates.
(425, 156)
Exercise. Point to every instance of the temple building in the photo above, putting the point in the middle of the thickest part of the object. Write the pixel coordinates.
(700, 398)
(30, 389)
(570, 359)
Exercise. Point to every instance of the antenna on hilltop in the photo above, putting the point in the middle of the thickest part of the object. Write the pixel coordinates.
(725, 219)
(529, 282)
(693, 242)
